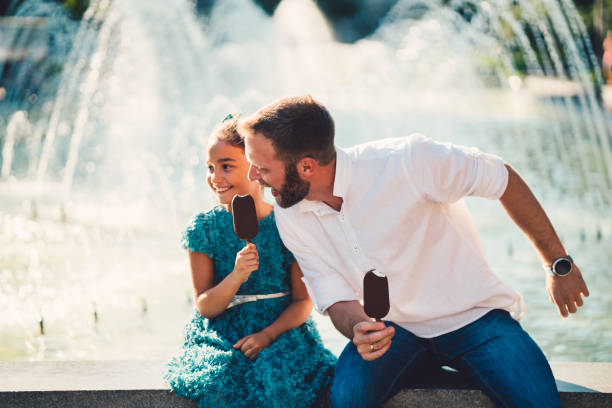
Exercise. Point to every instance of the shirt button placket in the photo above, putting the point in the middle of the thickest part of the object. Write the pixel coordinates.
(345, 228)
(348, 232)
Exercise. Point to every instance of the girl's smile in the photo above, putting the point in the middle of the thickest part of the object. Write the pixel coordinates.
(222, 190)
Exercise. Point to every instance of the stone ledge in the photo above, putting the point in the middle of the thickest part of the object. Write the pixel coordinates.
(580, 385)
(139, 384)
(94, 399)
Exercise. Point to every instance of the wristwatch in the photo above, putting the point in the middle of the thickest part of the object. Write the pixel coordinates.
(560, 267)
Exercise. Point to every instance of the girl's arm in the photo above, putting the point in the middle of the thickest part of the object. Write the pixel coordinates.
(293, 316)
(297, 312)
(212, 300)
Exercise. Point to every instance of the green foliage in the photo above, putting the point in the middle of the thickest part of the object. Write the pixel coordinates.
(268, 5)
(340, 8)
(53, 69)
(76, 8)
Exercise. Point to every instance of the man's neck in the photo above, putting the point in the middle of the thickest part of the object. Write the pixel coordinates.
(322, 188)
(335, 203)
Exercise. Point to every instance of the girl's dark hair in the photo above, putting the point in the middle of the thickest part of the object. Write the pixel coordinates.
(227, 131)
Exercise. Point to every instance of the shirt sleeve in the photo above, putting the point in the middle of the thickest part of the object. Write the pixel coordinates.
(324, 284)
(199, 235)
(445, 173)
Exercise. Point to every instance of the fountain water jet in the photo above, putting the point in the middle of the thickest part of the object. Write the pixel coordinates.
(123, 146)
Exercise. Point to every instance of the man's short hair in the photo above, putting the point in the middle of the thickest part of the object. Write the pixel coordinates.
(298, 127)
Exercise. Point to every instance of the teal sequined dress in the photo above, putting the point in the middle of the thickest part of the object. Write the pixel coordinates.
(294, 371)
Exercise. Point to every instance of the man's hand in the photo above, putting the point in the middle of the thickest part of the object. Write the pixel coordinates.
(372, 339)
(253, 344)
(565, 291)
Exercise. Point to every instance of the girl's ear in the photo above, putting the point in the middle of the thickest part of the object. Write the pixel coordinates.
(306, 167)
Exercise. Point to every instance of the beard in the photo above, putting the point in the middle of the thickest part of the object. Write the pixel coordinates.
(293, 190)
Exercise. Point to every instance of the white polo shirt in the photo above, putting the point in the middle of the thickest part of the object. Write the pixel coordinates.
(403, 215)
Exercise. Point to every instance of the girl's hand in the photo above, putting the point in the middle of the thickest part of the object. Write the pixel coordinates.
(247, 261)
(252, 344)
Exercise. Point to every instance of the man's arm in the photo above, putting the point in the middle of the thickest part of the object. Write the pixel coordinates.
(345, 315)
(525, 210)
(372, 339)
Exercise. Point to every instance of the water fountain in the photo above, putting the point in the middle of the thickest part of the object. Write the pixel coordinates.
(99, 175)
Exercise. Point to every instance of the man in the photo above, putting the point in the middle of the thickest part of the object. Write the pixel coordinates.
(395, 205)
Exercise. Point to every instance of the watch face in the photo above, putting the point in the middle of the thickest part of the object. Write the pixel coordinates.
(562, 267)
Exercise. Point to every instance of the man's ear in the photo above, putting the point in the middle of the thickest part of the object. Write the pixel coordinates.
(306, 167)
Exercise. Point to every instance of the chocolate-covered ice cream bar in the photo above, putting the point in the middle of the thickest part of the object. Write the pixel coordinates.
(246, 226)
(375, 294)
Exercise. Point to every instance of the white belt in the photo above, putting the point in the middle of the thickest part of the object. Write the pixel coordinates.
(239, 299)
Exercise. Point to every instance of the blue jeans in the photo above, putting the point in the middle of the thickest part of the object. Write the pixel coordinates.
(494, 352)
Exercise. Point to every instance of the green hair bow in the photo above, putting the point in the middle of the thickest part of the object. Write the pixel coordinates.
(230, 116)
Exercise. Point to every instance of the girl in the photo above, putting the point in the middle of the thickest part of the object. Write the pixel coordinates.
(250, 343)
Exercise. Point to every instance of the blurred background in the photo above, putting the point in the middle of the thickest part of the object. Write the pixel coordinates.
(105, 106)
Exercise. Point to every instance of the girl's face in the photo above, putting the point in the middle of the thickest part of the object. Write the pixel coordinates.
(228, 172)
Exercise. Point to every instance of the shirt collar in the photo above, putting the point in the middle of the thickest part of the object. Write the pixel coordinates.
(343, 173)
(342, 179)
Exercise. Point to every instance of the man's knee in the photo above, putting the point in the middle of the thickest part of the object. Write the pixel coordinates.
(367, 384)
(352, 393)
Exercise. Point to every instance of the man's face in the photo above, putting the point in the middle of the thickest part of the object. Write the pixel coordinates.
(283, 179)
